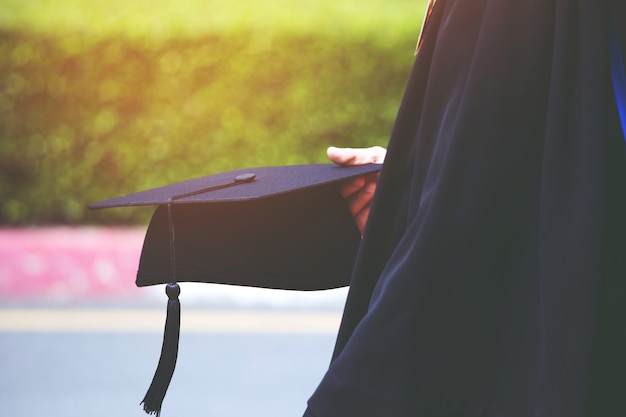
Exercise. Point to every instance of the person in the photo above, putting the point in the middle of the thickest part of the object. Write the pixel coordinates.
(491, 276)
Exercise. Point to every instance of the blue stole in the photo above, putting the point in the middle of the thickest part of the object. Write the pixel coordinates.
(619, 78)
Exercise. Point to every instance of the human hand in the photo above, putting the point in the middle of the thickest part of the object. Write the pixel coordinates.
(359, 191)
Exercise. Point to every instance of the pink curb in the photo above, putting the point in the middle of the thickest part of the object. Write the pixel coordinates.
(64, 262)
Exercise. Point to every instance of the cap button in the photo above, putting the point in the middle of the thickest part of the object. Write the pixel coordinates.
(247, 177)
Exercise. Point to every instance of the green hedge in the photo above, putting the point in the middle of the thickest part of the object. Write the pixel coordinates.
(84, 119)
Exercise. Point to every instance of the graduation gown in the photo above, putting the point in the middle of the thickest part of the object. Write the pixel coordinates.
(490, 279)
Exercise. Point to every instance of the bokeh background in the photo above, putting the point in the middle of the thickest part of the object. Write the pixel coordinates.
(107, 97)
(103, 98)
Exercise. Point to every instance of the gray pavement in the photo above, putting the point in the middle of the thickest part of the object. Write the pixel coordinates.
(71, 374)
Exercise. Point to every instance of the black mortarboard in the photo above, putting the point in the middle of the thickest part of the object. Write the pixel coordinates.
(284, 227)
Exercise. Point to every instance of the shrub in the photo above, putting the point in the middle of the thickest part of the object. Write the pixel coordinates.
(83, 119)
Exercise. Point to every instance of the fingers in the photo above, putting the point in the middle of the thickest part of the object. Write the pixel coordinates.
(361, 198)
(356, 156)
(361, 219)
(352, 186)
(359, 194)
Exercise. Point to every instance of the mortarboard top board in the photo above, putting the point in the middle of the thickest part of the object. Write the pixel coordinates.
(284, 227)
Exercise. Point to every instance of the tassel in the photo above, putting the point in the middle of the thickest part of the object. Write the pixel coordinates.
(169, 351)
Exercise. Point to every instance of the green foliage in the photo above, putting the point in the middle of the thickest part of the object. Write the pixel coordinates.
(84, 118)
(166, 19)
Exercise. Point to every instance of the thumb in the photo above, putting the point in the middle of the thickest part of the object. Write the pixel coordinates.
(356, 156)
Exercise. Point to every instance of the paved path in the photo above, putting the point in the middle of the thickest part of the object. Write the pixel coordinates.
(107, 374)
(77, 338)
(99, 320)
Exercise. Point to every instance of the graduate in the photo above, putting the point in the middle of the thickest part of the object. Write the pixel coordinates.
(491, 277)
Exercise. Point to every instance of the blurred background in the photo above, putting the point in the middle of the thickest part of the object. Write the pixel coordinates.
(103, 98)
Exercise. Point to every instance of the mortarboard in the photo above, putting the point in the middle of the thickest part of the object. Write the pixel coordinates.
(284, 227)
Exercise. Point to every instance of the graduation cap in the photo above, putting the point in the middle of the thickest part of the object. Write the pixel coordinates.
(284, 227)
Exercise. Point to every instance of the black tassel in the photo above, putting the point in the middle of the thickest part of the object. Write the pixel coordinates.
(169, 351)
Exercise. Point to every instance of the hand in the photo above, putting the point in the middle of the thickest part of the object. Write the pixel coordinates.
(359, 191)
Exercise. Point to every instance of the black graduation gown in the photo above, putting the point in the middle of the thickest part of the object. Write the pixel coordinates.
(490, 280)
